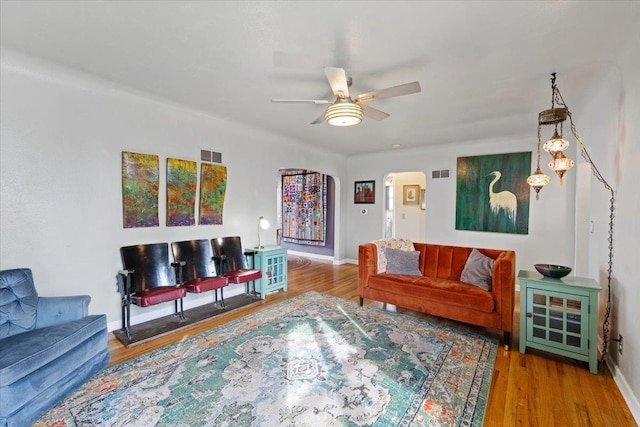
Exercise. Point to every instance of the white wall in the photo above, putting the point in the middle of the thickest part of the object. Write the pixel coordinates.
(550, 238)
(61, 202)
(610, 127)
(615, 118)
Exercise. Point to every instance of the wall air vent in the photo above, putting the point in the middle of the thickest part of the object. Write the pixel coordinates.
(210, 156)
(442, 173)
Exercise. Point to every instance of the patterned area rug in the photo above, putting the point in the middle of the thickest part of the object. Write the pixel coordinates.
(314, 360)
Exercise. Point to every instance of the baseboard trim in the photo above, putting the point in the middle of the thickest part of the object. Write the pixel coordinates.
(627, 394)
(310, 255)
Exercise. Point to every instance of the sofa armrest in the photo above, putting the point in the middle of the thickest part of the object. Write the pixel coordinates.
(56, 310)
(367, 263)
(503, 288)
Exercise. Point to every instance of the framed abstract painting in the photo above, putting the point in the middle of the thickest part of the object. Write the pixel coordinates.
(182, 181)
(492, 193)
(140, 184)
(213, 187)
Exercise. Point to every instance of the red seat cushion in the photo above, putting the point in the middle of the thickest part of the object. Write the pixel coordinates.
(241, 276)
(205, 284)
(158, 295)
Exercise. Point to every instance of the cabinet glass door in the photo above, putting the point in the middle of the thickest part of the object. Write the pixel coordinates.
(558, 320)
(275, 269)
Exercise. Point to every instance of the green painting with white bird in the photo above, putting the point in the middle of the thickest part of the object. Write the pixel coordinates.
(492, 193)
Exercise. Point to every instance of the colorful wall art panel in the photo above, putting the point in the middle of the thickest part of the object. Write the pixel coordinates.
(182, 181)
(140, 182)
(492, 193)
(213, 185)
(304, 205)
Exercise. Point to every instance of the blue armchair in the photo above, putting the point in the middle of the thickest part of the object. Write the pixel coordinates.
(48, 347)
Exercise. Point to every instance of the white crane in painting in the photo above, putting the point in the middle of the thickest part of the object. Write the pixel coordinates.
(504, 200)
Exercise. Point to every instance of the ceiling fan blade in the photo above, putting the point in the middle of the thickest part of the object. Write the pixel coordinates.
(338, 81)
(374, 113)
(302, 101)
(319, 120)
(404, 89)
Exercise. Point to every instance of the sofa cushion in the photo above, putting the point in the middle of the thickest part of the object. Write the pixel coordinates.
(446, 291)
(18, 302)
(403, 262)
(25, 401)
(158, 295)
(24, 353)
(204, 284)
(478, 270)
(242, 276)
(393, 243)
(48, 383)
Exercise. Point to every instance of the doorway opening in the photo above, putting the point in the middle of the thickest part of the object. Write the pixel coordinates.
(404, 204)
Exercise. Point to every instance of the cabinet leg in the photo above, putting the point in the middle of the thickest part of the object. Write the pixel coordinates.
(361, 301)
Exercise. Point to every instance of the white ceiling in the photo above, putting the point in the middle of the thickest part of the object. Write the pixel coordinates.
(483, 66)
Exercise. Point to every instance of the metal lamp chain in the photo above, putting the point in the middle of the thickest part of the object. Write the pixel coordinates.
(585, 155)
(539, 138)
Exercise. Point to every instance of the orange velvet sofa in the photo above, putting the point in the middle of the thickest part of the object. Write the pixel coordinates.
(439, 290)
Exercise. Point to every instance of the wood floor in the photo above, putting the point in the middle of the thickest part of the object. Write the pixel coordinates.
(532, 389)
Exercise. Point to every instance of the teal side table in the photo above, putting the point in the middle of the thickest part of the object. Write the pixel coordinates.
(560, 316)
(272, 262)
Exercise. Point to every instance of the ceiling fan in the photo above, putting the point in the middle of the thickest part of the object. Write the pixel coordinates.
(345, 111)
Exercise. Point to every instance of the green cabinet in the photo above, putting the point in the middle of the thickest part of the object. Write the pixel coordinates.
(560, 316)
(272, 262)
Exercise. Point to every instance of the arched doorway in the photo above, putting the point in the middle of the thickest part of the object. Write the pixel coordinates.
(405, 216)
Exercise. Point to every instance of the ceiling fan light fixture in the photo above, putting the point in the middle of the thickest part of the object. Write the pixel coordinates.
(344, 113)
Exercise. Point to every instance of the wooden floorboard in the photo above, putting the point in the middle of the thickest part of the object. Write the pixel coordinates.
(532, 389)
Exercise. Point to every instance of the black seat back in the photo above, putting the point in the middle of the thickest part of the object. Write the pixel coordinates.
(197, 257)
(150, 264)
(230, 249)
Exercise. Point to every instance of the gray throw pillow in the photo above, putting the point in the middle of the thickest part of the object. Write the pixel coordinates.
(478, 270)
(403, 262)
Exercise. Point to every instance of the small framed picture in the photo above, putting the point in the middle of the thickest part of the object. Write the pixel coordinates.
(410, 194)
(364, 192)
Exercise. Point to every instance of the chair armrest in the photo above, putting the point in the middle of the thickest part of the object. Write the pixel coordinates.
(56, 310)
(367, 264)
(124, 281)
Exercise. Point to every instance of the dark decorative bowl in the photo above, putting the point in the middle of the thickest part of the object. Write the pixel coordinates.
(553, 271)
